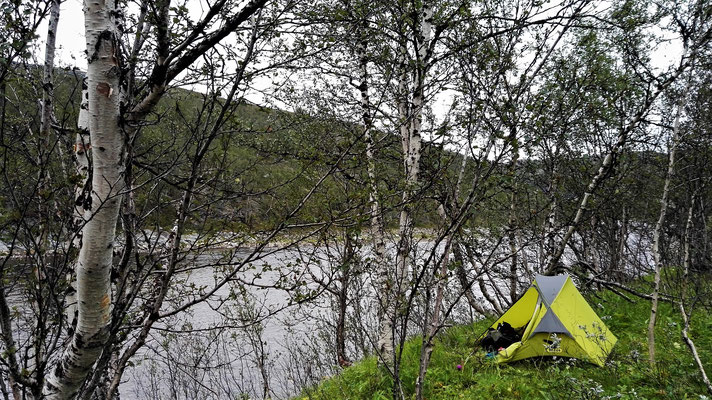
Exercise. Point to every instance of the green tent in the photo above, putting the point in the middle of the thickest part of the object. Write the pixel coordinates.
(555, 320)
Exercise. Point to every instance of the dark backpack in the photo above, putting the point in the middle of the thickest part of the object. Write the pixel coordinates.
(503, 336)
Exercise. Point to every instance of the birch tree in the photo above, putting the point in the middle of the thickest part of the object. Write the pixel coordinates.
(95, 256)
(657, 231)
(107, 129)
(48, 68)
(376, 209)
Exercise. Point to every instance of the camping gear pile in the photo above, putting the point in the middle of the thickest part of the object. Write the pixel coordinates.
(551, 319)
(502, 337)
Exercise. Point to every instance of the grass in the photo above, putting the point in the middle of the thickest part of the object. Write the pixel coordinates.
(626, 375)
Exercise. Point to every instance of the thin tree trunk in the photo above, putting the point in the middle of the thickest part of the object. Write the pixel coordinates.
(10, 346)
(258, 344)
(411, 124)
(693, 349)
(385, 284)
(3, 389)
(618, 267)
(82, 200)
(683, 291)
(95, 255)
(343, 294)
(411, 166)
(512, 222)
(411, 138)
(47, 82)
(514, 253)
(43, 143)
(493, 301)
(465, 283)
(433, 326)
(45, 200)
(14, 376)
(501, 297)
(341, 357)
(657, 232)
(705, 230)
(441, 276)
(548, 240)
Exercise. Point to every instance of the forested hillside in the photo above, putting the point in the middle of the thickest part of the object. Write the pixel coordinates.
(235, 199)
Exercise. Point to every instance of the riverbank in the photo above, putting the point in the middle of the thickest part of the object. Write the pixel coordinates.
(149, 240)
(626, 375)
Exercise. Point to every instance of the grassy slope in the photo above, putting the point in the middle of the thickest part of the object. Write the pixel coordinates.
(626, 375)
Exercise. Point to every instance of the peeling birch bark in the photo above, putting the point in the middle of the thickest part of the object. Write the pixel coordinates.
(410, 127)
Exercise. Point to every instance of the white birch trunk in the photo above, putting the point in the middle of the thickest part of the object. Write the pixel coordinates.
(410, 120)
(43, 140)
(10, 348)
(693, 349)
(512, 223)
(47, 82)
(405, 132)
(95, 255)
(657, 233)
(43, 181)
(548, 243)
(82, 199)
(385, 337)
(411, 138)
(163, 282)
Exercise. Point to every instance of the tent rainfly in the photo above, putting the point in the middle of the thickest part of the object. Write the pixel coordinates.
(555, 320)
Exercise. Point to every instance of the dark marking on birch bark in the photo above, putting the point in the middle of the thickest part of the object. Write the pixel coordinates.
(104, 89)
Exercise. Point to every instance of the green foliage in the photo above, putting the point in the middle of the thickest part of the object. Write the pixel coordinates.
(626, 375)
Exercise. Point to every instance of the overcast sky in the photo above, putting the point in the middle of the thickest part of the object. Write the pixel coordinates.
(71, 45)
(71, 41)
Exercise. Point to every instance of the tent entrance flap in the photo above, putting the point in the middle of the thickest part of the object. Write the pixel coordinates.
(530, 326)
(519, 314)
